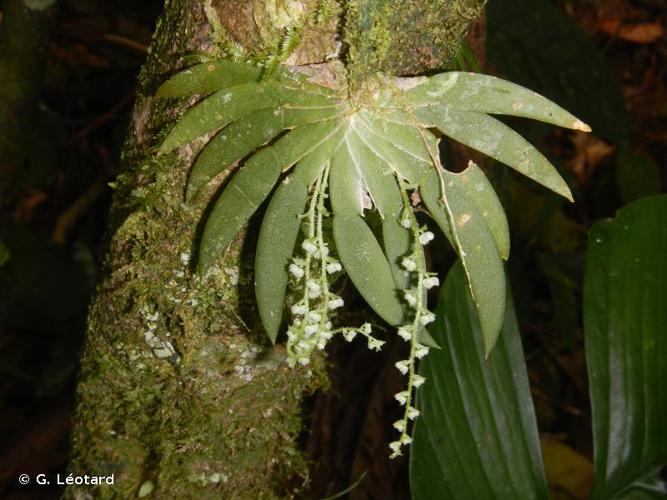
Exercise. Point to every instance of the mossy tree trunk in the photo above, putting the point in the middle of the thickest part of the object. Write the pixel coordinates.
(179, 394)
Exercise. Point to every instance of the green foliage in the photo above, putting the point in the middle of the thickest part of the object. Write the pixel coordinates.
(636, 176)
(625, 322)
(340, 156)
(477, 437)
(535, 44)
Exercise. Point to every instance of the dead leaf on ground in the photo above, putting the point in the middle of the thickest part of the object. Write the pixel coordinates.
(569, 473)
(590, 151)
(631, 32)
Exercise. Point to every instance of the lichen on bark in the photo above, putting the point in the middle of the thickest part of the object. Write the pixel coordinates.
(178, 390)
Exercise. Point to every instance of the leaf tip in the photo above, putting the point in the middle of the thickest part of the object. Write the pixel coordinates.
(579, 125)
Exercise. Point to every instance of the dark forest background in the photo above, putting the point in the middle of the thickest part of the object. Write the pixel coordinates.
(603, 60)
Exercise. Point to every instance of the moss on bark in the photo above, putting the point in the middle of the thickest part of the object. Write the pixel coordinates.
(406, 37)
(177, 392)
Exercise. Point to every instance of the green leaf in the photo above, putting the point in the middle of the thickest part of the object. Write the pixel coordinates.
(275, 247)
(244, 136)
(228, 105)
(367, 267)
(537, 45)
(497, 140)
(409, 166)
(488, 94)
(478, 188)
(385, 193)
(208, 77)
(625, 323)
(252, 184)
(636, 176)
(280, 230)
(476, 437)
(477, 249)
(347, 187)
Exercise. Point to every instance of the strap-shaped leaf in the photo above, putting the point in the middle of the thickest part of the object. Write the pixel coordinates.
(404, 137)
(277, 237)
(406, 165)
(497, 140)
(430, 191)
(252, 184)
(244, 136)
(280, 230)
(367, 266)
(347, 187)
(476, 437)
(478, 188)
(477, 249)
(386, 196)
(230, 104)
(488, 94)
(208, 77)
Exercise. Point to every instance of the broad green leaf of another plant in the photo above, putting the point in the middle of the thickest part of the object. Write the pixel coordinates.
(477, 435)
(625, 322)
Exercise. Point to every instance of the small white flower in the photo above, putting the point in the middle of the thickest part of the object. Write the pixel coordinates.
(323, 253)
(296, 271)
(430, 282)
(321, 344)
(418, 380)
(304, 360)
(411, 298)
(334, 267)
(326, 335)
(402, 366)
(299, 309)
(424, 238)
(313, 288)
(427, 318)
(336, 303)
(412, 413)
(405, 439)
(366, 328)
(309, 247)
(311, 330)
(400, 425)
(409, 264)
(314, 317)
(395, 448)
(303, 345)
(349, 335)
(404, 334)
(402, 397)
(290, 335)
(405, 222)
(375, 344)
(421, 351)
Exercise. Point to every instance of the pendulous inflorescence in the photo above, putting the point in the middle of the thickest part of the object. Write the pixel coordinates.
(325, 159)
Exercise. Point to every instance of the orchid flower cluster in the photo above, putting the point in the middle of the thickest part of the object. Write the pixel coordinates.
(415, 265)
(311, 327)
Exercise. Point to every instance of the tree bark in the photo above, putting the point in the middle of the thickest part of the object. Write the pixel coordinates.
(179, 393)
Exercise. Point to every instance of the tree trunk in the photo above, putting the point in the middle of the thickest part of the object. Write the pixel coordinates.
(179, 393)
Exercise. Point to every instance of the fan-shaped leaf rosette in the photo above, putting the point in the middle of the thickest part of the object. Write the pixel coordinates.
(286, 131)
